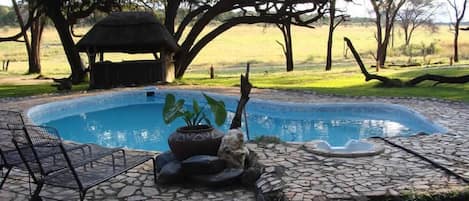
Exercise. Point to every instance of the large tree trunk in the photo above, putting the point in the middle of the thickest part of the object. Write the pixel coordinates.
(389, 17)
(406, 37)
(330, 38)
(171, 9)
(384, 51)
(32, 68)
(459, 16)
(288, 47)
(379, 52)
(329, 51)
(379, 39)
(455, 45)
(54, 13)
(37, 29)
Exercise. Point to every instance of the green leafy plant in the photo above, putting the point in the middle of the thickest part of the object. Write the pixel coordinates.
(174, 109)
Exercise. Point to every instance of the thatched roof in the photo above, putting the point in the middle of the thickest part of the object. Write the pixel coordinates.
(130, 32)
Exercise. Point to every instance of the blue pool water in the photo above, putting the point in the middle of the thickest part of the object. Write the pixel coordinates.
(133, 120)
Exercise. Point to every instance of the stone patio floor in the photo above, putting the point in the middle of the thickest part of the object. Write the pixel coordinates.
(305, 176)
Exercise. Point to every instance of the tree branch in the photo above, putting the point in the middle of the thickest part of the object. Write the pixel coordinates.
(187, 19)
(387, 82)
(283, 47)
(23, 31)
(439, 79)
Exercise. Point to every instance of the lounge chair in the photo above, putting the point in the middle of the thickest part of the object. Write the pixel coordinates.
(80, 173)
(6, 146)
(9, 156)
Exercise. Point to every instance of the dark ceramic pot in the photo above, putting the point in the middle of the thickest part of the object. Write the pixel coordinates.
(189, 141)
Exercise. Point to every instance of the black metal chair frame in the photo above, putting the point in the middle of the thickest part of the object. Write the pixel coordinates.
(72, 166)
(4, 163)
(10, 158)
(46, 151)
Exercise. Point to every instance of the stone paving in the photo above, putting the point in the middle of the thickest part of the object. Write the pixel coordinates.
(304, 176)
(311, 177)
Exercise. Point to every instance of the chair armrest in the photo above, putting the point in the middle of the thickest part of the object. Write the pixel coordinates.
(96, 156)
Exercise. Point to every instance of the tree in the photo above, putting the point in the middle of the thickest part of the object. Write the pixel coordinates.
(53, 10)
(65, 13)
(36, 29)
(415, 14)
(202, 12)
(459, 12)
(199, 14)
(73, 10)
(385, 12)
(287, 46)
(333, 23)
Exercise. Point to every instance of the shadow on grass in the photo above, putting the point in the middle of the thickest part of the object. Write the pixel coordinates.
(29, 90)
(440, 91)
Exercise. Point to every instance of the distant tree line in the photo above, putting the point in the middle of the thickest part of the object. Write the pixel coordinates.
(7, 16)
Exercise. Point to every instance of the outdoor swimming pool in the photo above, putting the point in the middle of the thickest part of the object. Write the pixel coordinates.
(133, 120)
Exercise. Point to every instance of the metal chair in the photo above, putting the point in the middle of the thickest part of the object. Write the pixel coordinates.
(9, 157)
(80, 173)
(11, 121)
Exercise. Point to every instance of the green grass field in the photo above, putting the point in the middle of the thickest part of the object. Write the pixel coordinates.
(344, 81)
(257, 45)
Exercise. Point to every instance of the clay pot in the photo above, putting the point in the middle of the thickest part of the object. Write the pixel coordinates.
(189, 141)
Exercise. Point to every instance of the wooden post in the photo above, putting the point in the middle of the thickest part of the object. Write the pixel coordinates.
(245, 90)
(248, 69)
(101, 56)
(212, 72)
(167, 64)
(91, 62)
(451, 60)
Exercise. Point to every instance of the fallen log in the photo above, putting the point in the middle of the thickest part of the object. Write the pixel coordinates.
(388, 82)
(438, 79)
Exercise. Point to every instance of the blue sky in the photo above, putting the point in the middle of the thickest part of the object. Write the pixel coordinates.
(361, 8)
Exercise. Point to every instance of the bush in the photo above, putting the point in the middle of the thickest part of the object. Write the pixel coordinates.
(419, 50)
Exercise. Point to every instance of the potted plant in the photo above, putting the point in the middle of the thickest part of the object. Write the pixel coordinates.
(198, 137)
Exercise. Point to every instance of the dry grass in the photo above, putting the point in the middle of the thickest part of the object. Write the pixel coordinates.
(255, 44)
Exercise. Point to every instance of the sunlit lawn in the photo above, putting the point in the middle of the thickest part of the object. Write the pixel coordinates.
(29, 90)
(255, 44)
(347, 81)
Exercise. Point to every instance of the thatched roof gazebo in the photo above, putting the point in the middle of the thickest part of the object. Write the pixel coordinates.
(129, 32)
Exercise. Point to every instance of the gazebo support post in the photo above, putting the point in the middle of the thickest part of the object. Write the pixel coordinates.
(167, 66)
(101, 56)
(155, 55)
(91, 61)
